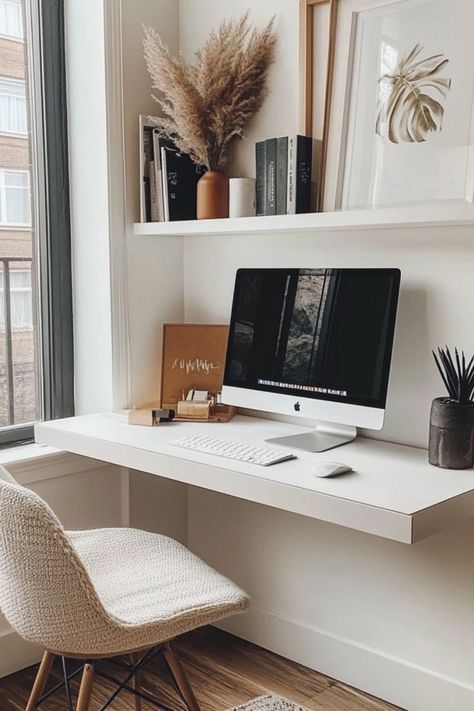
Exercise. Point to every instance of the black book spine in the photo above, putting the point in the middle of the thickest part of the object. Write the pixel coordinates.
(270, 176)
(260, 177)
(281, 175)
(147, 191)
(304, 160)
(147, 160)
(181, 176)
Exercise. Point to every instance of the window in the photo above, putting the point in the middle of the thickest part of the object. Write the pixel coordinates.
(13, 106)
(14, 197)
(11, 21)
(36, 362)
(21, 302)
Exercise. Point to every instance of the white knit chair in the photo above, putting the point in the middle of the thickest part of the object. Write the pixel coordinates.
(101, 593)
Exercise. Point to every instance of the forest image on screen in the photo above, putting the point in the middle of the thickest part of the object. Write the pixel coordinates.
(323, 333)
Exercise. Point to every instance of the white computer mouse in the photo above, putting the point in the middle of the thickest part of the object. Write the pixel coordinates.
(324, 469)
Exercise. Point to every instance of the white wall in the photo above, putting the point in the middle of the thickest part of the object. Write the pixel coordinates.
(154, 267)
(155, 273)
(437, 289)
(392, 619)
(280, 108)
(160, 506)
(396, 600)
(87, 126)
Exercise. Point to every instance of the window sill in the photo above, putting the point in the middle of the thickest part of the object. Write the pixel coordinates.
(16, 226)
(30, 463)
(12, 38)
(14, 134)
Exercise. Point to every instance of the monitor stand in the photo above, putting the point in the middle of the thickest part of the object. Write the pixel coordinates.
(326, 436)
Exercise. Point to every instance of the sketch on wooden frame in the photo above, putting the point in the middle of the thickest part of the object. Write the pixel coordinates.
(193, 358)
(401, 129)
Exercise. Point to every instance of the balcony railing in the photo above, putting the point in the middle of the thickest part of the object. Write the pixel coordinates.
(8, 330)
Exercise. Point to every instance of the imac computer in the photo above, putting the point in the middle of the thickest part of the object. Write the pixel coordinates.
(315, 343)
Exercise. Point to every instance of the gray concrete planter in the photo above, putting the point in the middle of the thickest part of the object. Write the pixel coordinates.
(451, 443)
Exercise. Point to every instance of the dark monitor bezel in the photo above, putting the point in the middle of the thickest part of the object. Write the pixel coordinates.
(376, 403)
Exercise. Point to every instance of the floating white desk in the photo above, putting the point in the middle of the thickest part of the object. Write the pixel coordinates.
(393, 491)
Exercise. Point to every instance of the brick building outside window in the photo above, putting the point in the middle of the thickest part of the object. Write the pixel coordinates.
(18, 371)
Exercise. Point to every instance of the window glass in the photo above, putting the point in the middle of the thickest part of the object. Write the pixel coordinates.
(11, 21)
(19, 371)
(14, 197)
(21, 303)
(13, 118)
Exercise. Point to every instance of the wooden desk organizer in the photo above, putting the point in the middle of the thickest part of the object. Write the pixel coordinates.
(189, 411)
(196, 410)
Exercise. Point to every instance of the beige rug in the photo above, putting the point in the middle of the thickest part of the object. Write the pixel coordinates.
(270, 702)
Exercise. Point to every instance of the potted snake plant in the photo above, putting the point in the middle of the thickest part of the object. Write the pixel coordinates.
(451, 443)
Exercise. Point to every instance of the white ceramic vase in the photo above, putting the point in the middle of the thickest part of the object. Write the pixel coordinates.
(242, 197)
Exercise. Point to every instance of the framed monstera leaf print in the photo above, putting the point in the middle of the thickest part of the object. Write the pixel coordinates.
(404, 80)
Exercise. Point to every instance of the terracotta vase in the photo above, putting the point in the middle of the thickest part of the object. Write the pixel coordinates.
(212, 196)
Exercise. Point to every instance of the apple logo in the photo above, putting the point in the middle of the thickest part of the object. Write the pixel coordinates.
(297, 406)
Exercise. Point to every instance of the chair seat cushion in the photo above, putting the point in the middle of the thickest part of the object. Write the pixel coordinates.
(148, 579)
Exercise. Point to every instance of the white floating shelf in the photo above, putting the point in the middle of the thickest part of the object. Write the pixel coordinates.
(449, 214)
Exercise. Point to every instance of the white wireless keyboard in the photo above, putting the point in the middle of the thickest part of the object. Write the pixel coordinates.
(232, 450)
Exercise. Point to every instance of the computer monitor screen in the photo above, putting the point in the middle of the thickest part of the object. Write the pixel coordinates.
(318, 337)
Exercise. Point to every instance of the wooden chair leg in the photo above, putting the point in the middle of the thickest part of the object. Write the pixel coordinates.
(85, 691)
(134, 658)
(180, 678)
(42, 676)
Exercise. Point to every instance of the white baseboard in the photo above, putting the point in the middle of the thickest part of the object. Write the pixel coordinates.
(408, 685)
(15, 654)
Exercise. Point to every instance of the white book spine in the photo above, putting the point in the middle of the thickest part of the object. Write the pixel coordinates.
(159, 195)
(291, 185)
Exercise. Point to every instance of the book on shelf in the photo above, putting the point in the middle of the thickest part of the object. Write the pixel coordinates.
(180, 176)
(168, 178)
(157, 182)
(304, 159)
(153, 194)
(283, 175)
(260, 178)
(270, 176)
(146, 158)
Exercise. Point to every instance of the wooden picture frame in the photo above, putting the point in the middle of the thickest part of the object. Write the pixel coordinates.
(193, 357)
(306, 40)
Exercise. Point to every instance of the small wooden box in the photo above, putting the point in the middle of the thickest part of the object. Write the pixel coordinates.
(143, 416)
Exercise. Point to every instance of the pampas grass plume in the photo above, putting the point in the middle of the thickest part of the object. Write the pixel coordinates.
(205, 106)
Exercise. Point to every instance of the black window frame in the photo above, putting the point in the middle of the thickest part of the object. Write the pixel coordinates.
(45, 36)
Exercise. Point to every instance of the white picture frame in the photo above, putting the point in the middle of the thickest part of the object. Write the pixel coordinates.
(366, 170)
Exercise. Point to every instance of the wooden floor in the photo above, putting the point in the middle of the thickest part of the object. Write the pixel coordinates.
(224, 671)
